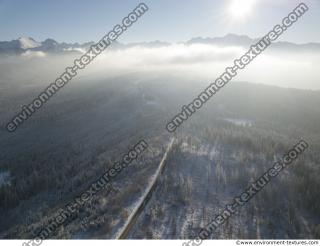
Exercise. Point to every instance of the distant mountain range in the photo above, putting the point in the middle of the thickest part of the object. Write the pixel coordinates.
(246, 42)
(24, 44)
(27, 44)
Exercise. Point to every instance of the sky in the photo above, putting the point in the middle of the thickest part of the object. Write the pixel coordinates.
(167, 20)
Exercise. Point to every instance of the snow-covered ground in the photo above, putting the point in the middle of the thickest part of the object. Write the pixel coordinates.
(240, 122)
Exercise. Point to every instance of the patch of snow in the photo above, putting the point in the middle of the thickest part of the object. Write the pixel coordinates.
(240, 122)
(203, 150)
(28, 43)
(5, 178)
(213, 153)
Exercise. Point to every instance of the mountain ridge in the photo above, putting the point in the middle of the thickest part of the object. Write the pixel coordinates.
(24, 44)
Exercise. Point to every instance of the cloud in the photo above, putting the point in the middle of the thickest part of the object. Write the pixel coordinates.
(168, 56)
(32, 54)
(203, 62)
(75, 49)
(287, 69)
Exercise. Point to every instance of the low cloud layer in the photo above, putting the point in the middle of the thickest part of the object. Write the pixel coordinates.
(202, 61)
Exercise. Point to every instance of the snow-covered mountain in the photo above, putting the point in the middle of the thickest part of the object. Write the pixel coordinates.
(228, 40)
(28, 43)
(24, 45)
(245, 42)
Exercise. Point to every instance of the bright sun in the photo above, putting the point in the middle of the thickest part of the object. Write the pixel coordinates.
(240, 9)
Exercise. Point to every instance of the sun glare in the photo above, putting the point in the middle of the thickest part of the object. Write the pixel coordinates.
(241, 9)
